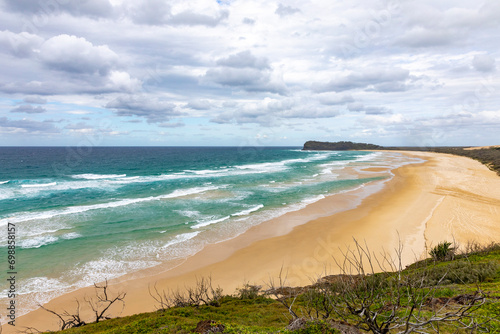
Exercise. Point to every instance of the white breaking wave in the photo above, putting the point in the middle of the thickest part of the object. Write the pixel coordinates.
(4, 182)
(314, 199)
(368, 157)
(249, 211)
(37, 242)
(39, 185)
(210, 222)
(34, 189)
(40, 284)
(71, 235)
(102, 269)
(189, 213)
(181, 238)
(97, 176)
(84, 208)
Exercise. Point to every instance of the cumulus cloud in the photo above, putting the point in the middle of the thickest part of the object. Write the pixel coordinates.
(28, 109)
(360, 107)
(248, 21)
(153, 110)
(121, 81)
(22, 44)
(283, 10)
(245, 71)
(35, 99)
(27, 126)
(376, 79)
(76, 54)
(332, 100)
(191, 18)
(483, 63)
(92, 8)
(244, 59)
(159, 12)
(153, 12)
(199, 105)
(248, 79)
(273, 111)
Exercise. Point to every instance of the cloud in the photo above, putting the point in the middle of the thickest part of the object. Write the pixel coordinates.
(27, 126)
(244, 59)
(483, 63)
(35, 100)
(121, 81)
(20, 45)
(78, 84)
(376, 79)
(360, 107)
(356, 106)
(199, 105)
(248, 21)
(423, 38)
(91, 8)
(381, 120)
(273, 64)
(28, 109)
(152, 12)
(159, 12)
(171, 125)
(283, 10)
(248, 79)
(271, 112)
(245, 71)
(152, 109)
(80, 127)
(76, 54)
(190, 18)
(332, 100)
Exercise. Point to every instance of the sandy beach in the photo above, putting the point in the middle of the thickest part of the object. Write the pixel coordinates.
(445, 198)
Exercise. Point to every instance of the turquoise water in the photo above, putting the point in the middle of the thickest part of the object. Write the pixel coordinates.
(83, 215)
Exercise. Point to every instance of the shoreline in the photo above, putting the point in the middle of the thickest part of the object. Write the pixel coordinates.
(421, 205)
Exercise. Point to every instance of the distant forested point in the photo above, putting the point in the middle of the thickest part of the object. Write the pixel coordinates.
(338, 146)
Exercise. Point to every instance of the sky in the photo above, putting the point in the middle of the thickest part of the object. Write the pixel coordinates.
(249, 73)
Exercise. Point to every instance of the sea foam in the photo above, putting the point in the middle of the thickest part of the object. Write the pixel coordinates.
(83, 208)
(39, 185)
(181, 238)
(97, 176)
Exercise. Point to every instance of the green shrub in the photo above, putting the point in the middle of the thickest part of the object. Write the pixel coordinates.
(315, 327)
(460, 272)
(442, 252)
(248, 291)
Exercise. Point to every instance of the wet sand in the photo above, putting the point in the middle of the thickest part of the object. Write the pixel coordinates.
(446, 198)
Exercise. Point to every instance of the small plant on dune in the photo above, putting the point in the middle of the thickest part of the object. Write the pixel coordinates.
(249, 291)
(203, 293)
(443, 251)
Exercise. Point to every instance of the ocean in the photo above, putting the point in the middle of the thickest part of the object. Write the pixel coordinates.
(83, 215)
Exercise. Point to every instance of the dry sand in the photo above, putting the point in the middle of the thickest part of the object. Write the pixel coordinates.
(481, 147)
(446, 198)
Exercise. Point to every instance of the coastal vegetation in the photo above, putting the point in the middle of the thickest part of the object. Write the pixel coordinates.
(457, 289)
(338, 146)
